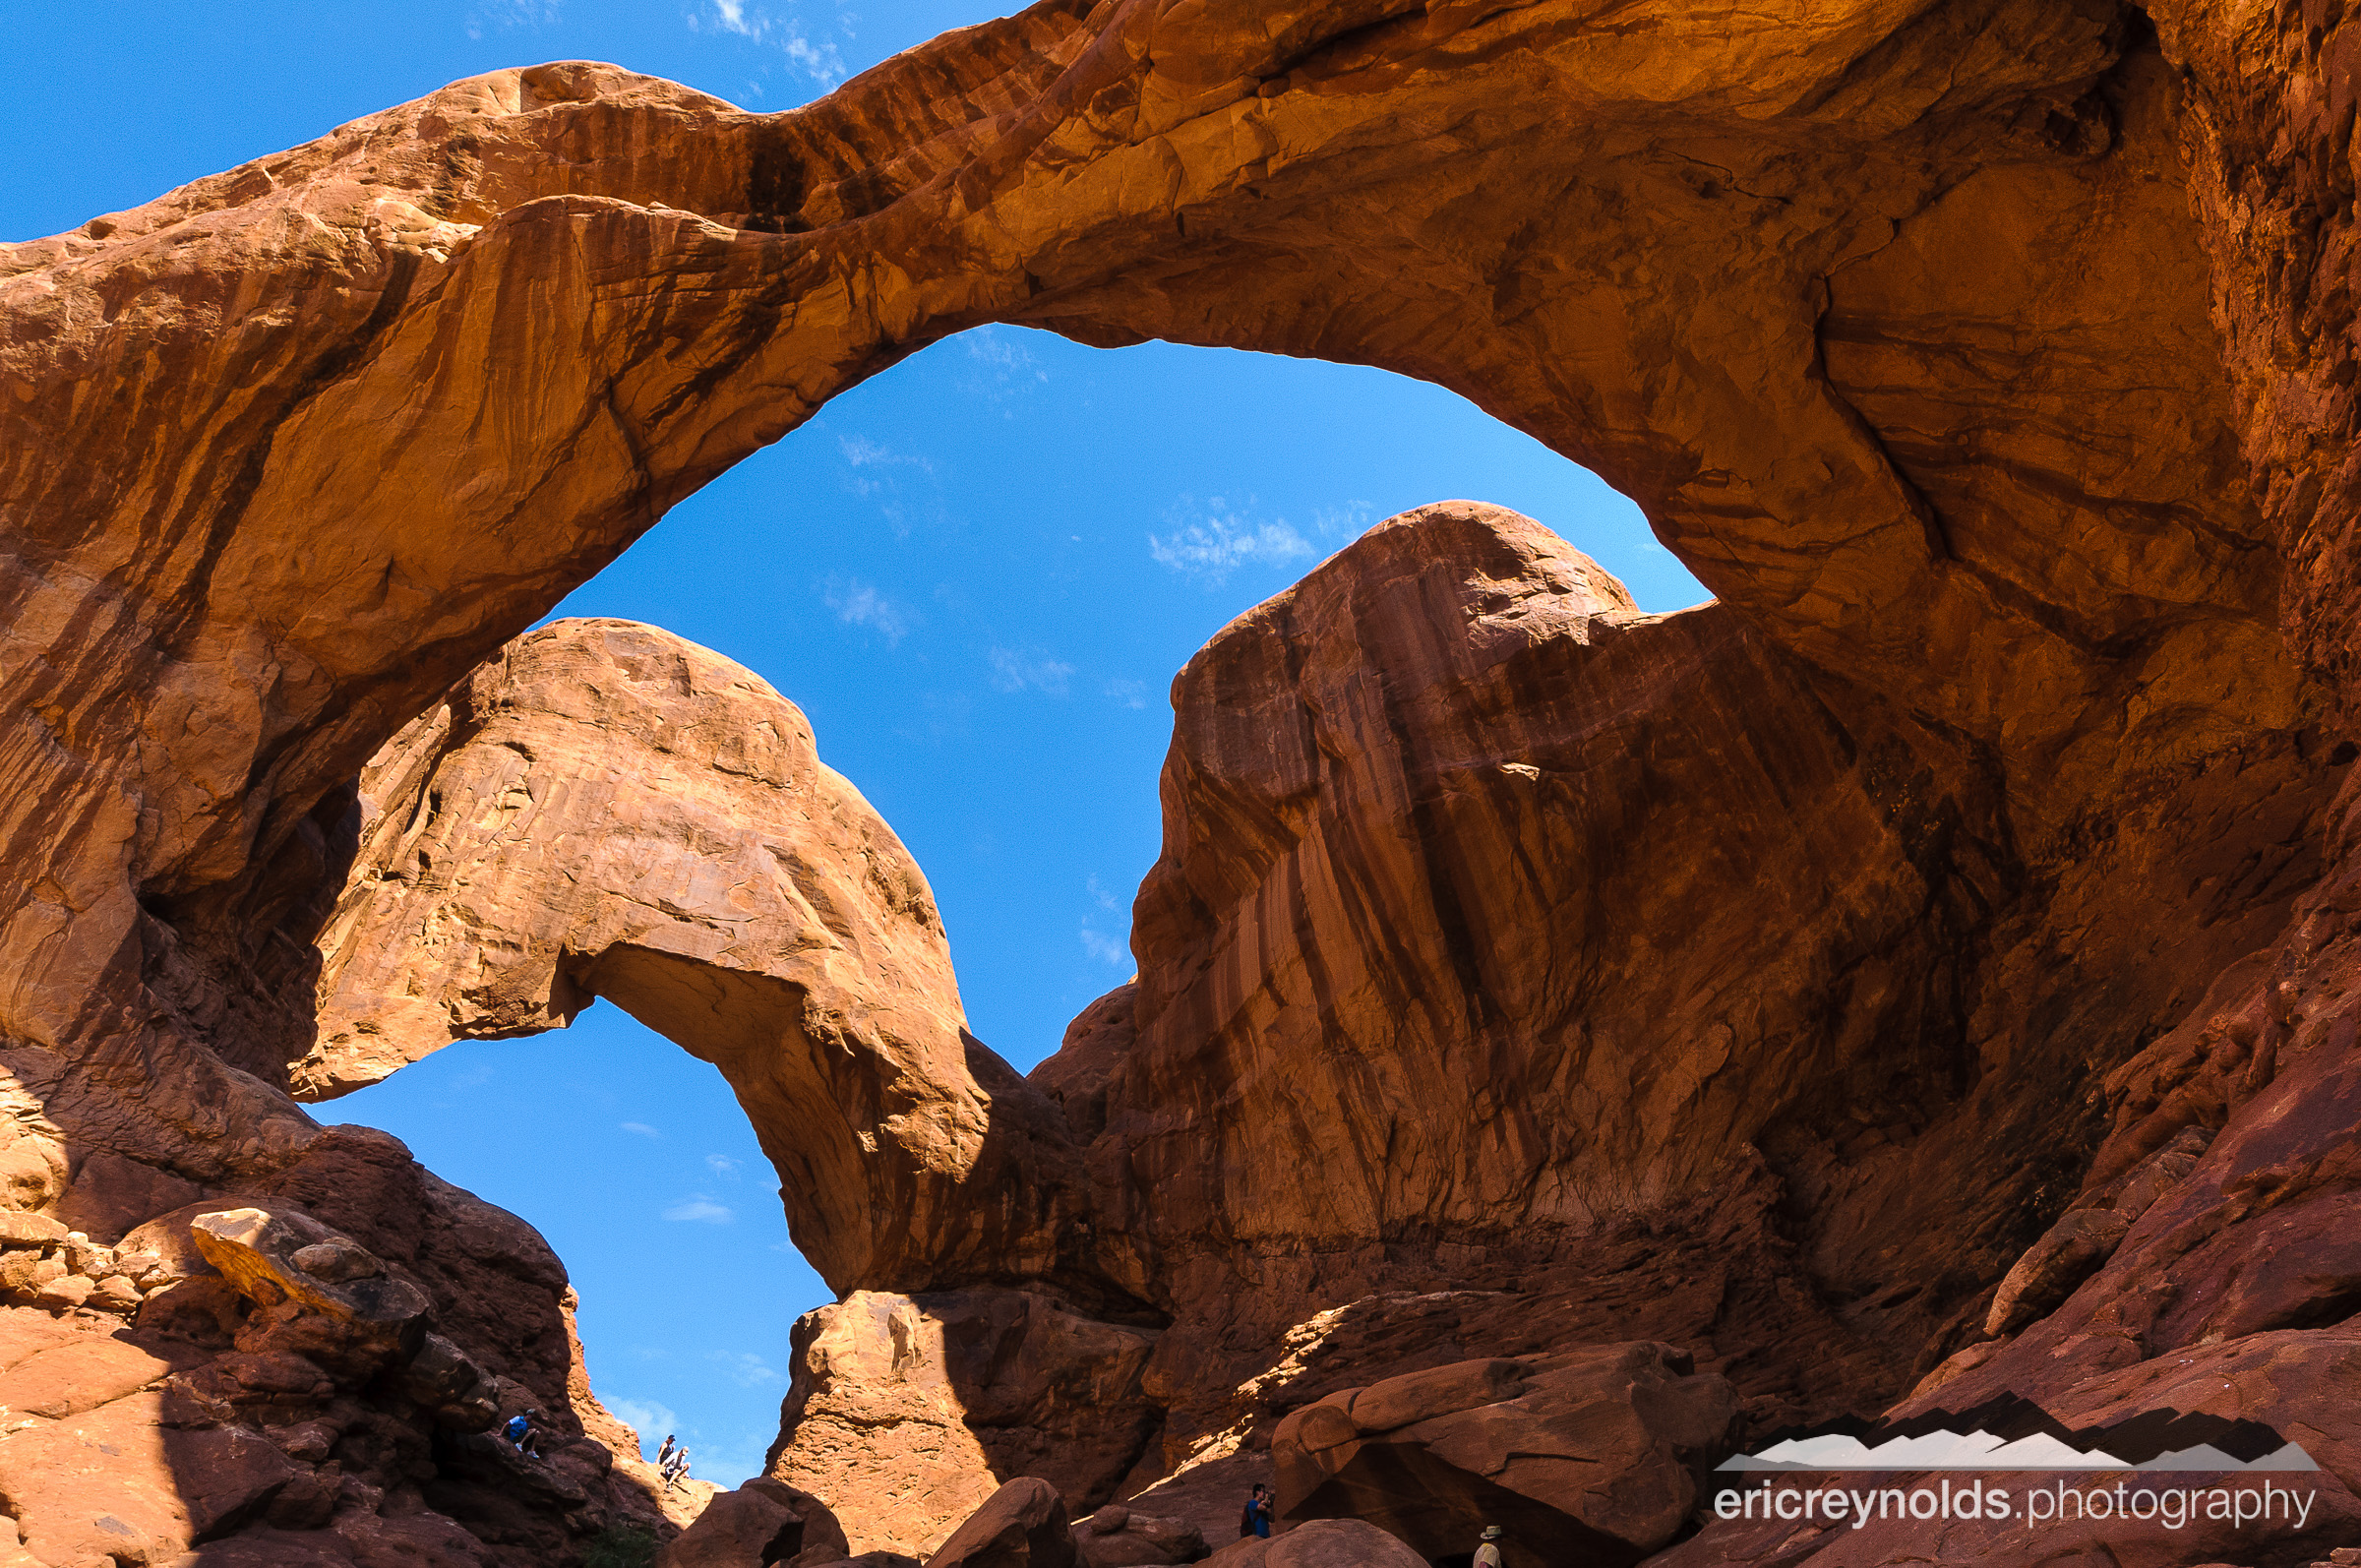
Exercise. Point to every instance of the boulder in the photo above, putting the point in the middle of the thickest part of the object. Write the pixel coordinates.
(1118, 1537)
(1320, 1544)
(761, 1524)
(361, 1320)
(1023, 1525)
(1591, 1454)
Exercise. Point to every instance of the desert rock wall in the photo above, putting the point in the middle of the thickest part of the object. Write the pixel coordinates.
(1989, 360)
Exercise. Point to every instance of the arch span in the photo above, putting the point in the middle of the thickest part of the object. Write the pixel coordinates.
(608, 810)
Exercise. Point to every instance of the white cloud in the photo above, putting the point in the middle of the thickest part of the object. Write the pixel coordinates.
(751, 1370)
(1130, 694)
(701, 1209)
(818, 61)
(507, 14)
(1208, 541)
(722, 1165)
(855, 603)
(1100, 895)
(640, 1128)
(734, 19)
(1000, 348)
(734, 1464)
(652, 1421)
(862, 453)
(1345, 523)
(1012, 671)
(1104, 948)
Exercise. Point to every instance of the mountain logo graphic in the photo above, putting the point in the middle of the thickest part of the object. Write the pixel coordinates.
(2016, 1434)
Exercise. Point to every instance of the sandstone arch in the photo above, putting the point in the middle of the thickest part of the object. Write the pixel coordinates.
(608, 810)
(1930, 334)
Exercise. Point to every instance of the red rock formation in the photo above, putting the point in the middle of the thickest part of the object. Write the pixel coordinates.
(607, 811)
(1591, 1455)
(1785, 955)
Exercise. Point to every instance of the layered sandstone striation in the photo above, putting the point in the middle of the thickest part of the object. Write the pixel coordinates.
(1777, 981)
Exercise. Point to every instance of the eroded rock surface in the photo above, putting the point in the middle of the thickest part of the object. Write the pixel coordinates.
(907, 1413)
(1593, 1455)
(608, 810)
(1764, 979)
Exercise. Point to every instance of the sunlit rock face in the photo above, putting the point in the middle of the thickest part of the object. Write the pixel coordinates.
(1763, 980)
(606, 811)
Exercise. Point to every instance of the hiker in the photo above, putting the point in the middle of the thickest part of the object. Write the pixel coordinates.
(1256, 1519)
(1488, 1555)
(664, 1454)
(677, 1468)
(522, 1432)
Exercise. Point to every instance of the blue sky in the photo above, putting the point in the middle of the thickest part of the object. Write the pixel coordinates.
(976, 573)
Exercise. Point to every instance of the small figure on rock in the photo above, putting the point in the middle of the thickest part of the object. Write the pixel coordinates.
(664, 1453)
(1256, 1519)
(678, 1467)
(524, 1432)
(1488, 1555)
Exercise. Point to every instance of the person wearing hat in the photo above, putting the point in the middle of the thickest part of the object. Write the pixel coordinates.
(1488, 1555)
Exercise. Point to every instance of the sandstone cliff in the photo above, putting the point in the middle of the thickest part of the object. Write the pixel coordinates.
(1800, 964)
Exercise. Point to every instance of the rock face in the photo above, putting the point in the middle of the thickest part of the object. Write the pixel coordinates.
(1591, 1455)
(1764, 979)
(906, 1412)
(607, 811)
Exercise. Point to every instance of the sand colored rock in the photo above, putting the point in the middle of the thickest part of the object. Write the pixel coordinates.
(905, 1413)
(608, 810)
(760, 1524)
(1023, 1525)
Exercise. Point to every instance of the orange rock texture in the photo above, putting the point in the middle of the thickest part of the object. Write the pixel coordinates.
(1520, 972)
(607, 811)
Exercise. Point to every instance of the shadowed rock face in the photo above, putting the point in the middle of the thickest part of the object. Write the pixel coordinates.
(1763, 980)
(1619, 983)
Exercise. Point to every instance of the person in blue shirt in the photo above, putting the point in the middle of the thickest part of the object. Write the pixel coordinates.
(524, 1433)
(1256, 1520)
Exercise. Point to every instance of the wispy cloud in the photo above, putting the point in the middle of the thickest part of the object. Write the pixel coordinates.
(819, 61)
(857, 603)
(862, 453)
(1014, 670)
(998, 347)
(722, 1165)
(1130, 694)
(1002, 369)
(640, 1128)
(1209, 541)
(816, 58)
(1103, 947)
(751, 1370)
(507, 14)
(652, 1421)
(700, 1209)
(1342, 524)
